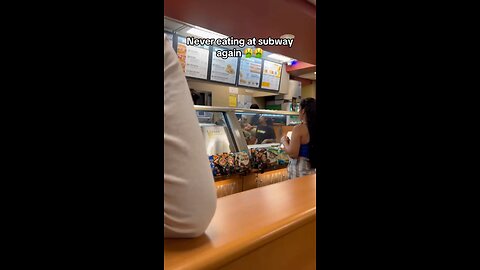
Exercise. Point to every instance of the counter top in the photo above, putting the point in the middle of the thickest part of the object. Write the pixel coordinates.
(245, 221)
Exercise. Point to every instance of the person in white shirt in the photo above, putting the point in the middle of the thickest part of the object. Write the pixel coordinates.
(189, 192)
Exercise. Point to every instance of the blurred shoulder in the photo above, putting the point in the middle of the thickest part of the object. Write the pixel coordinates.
(299, 128)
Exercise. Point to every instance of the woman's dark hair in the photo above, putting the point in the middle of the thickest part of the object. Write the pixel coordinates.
(309, 106)
(254, 106)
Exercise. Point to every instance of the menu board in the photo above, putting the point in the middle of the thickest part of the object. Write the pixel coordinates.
(193, 59)
(271, 75)
(223, 70)
(250, 69)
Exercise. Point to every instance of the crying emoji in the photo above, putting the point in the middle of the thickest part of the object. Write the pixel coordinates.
(258, 53)
(248, 52)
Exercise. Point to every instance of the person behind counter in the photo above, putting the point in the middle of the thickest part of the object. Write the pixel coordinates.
(253, 121)
(265, 132)
(301, 148)
(249, 137)
(189, 195)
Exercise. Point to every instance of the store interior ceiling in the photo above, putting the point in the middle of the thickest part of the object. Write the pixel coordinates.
(253, 18)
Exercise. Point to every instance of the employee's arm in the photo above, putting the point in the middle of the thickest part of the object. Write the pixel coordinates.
(189, 196)
(292, 147)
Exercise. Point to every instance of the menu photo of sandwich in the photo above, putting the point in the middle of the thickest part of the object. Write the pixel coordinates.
(242, 80)
(229, 69)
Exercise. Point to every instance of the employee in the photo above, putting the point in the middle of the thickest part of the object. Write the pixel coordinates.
(247, 133)
(265, 132)
(301, 148)
(189, 194)
(253, 122)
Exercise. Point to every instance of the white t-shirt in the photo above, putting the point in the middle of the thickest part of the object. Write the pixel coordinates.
(190, 196)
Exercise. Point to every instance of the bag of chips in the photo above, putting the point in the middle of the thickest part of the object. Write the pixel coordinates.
(260, 157)
(230, 167)
(242, 162)
(213, 166)
(282, 157)
(272, 154)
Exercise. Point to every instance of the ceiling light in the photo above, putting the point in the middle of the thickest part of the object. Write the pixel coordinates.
(279, 57)
(204, 33)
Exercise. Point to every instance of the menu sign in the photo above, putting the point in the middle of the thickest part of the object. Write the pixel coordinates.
(250, 69)
(271, 75)
(223, 70)
(193, 59)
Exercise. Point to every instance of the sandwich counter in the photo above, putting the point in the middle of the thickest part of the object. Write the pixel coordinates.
(243, 146)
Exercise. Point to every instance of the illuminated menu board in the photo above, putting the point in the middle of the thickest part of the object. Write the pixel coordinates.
(271, 75)
(193, 59)
(223, 70)
(250, 70)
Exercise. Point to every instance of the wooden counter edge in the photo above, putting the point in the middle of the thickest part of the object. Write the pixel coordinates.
(242, 246)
